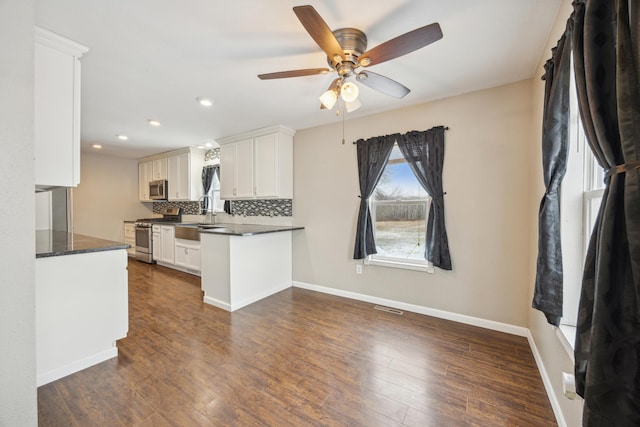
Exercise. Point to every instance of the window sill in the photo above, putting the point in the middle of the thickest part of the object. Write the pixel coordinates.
(405, 265)
(567, 336)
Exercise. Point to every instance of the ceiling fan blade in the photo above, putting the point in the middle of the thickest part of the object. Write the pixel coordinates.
(401, 45)
(319, 30)
(382, 84)
(294, 73)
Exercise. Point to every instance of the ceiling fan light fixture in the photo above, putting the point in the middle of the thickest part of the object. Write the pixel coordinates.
(364, 62)
(349, 92)
(353, 105)
(329, 98)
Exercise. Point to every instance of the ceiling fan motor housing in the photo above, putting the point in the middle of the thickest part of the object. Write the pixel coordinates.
(353, 43)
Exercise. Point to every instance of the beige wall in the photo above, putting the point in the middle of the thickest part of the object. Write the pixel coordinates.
(488, 216)
(18, 399)
(107, 195)
(555, 359)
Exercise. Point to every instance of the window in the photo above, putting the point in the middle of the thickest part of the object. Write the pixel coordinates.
(580, 196)
(399, 208)
(218, 205)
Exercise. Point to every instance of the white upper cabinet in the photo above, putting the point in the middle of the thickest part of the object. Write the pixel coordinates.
(56, 109)
(145, 172)
(257, 165)
(159, 169)
(184, 175)
(181, 168)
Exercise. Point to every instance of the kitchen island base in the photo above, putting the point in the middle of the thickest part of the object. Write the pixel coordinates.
(81, 310)
(240, 270)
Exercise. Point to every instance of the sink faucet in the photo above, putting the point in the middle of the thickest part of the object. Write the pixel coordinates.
(209, 214)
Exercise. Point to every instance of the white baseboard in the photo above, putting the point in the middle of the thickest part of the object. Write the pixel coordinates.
(238, 305)
(546, 380)
(216, 303)
(76, 366)
(461, 318)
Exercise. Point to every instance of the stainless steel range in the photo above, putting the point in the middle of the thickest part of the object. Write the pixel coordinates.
(144, 233)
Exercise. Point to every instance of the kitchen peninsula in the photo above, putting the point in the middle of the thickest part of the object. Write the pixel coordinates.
(243, 263)
(81, 302)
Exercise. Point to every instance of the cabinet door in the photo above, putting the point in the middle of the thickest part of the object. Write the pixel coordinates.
(194, 258)
(168, 244)
(244, 169)
(188, 255)
(144, 176)
(56, 117)
(178, 177)
(160, 169)
(266, 165)
(157, 246)
(227, 171)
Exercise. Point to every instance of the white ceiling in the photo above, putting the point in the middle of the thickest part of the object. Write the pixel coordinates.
(150, 59)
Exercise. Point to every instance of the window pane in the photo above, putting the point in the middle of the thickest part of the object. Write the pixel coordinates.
(398, 211)
(400, 230)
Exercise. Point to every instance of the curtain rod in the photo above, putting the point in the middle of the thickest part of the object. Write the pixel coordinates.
(445, 128)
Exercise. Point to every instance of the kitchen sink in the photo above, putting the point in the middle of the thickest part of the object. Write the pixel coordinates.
(208, 226)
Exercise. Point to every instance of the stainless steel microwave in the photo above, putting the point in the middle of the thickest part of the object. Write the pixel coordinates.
(158, 189)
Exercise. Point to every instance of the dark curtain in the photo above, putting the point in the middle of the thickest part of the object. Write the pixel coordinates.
(207, 180)
(373, 155)
(607, 350)
(424, 152)
(547, 296)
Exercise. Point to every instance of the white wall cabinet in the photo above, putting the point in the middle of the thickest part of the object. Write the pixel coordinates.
(187, 255)
(159, 168)
(181, 168)
(56, 109)
(145, 174)
(184, 172)
(257, 164)
(130, 237)
(167, 237)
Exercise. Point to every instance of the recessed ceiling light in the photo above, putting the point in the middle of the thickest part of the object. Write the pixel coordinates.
(122, 137)
(205, 102)
(208, 145)
(201, 147)
(153, 122)
(97, 146)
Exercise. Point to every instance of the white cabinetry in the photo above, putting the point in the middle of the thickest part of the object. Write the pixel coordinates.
(130, 237)
(159, 169)
(56, 109)
(187, 255)
(167, 233)
(184, 173)
(145, 174)
(257, 164)
(181, 168)
(156, 242)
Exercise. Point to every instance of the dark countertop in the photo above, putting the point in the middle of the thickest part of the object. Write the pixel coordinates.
(56, 243)
(245, 229)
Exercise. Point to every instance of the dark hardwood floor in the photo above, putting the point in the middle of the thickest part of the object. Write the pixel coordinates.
(298, 358)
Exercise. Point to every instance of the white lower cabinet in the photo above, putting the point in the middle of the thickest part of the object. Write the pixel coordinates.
(156, 243)
(187, 255)
(130, 237)
(167, 233)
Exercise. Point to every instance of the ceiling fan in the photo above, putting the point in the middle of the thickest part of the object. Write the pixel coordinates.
(346, 53)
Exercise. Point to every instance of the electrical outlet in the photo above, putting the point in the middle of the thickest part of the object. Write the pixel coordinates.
(358, 268)
(569, 385)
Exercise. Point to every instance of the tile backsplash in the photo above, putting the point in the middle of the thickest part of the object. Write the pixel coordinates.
(262, 207)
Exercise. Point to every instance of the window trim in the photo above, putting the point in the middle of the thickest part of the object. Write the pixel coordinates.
(414, 264)
(396, 262)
